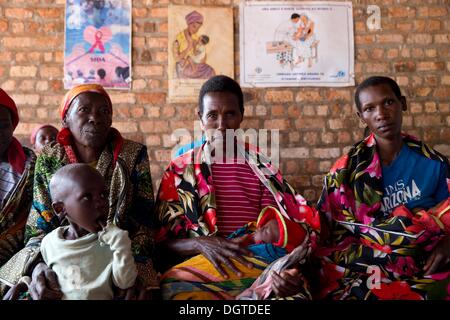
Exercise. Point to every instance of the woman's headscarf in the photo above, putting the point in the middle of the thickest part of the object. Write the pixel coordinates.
(76, 91)
(193, 17)
(16, 155)
(65, 136)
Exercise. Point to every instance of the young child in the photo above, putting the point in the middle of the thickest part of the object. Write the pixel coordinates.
(273, 238)
(41, 136)
(199, 53)
(87, 257)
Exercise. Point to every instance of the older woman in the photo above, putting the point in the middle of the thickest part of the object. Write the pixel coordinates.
(203, 198)
(185, 46)
(87, 137)
(16, 182)
(385, 209)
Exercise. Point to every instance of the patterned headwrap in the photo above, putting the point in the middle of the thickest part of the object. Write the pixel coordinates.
(16, 155)
(194, 16)
(65, 137)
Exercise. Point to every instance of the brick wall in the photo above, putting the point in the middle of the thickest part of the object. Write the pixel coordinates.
(317, 124)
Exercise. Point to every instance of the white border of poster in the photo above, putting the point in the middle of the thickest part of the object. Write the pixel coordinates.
(291, 44)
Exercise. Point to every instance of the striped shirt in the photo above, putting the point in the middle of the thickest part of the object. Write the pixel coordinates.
(240, 195)
(8, 180)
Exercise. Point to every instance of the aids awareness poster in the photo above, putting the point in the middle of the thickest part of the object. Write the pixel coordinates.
(287, 44)
(200, 47)
(98, 43)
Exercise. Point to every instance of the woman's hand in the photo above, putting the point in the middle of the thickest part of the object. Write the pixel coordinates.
(44, 284)
(439, 258)
(220, 251)
(287, 283)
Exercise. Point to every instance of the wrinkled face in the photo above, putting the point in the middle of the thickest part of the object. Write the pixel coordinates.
(194, 27)
(220, 112)
(89, 119)
(86, 204)
(44, 136)
(268, 233)
(381, 110)
(6, 130)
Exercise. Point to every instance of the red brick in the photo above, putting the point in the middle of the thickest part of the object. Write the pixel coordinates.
(282, 124)
(401, 12)
(278, 110)
(154, 126)
(3, 25)
(309, 123)
(18, 13)
(427, 120)
(279, 96)
(152, 98)
(442, 92)
(50, 13)
(158, 12)
(326, 153)
(310, 95)
(389, 38)
(298, 153)
(23, 71)
(311, 138)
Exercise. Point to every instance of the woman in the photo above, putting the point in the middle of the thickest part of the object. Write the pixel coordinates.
(87, 137)
(16, 183)
(185, 45)
(383, 208)
(203, 199)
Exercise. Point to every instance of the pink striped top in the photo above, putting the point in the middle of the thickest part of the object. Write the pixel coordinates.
(240, 195)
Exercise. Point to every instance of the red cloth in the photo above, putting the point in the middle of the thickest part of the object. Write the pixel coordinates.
(65, 138)
(16, 155)
(6, 101)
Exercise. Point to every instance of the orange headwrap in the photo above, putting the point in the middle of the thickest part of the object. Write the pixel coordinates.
(75, 91)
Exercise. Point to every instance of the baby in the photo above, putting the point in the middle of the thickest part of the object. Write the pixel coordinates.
(274, 237)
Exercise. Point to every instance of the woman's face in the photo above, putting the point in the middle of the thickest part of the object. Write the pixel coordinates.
(194, 27)
(381, 110)
(89, 119)
(220, 112)
(6, 129)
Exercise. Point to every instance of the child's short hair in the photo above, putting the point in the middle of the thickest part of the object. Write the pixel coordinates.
(204, 39)
(376, 81)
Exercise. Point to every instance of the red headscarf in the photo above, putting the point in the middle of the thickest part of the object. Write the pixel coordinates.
(65, 136)
(16, 155)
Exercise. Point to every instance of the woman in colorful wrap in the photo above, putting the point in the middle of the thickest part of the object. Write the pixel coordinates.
(206, 194)
(385, 210)
(16, 183)
(87, 137)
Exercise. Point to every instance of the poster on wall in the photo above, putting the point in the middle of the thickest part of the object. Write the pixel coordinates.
(98, 43)
(200, 46)
(287, 44)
